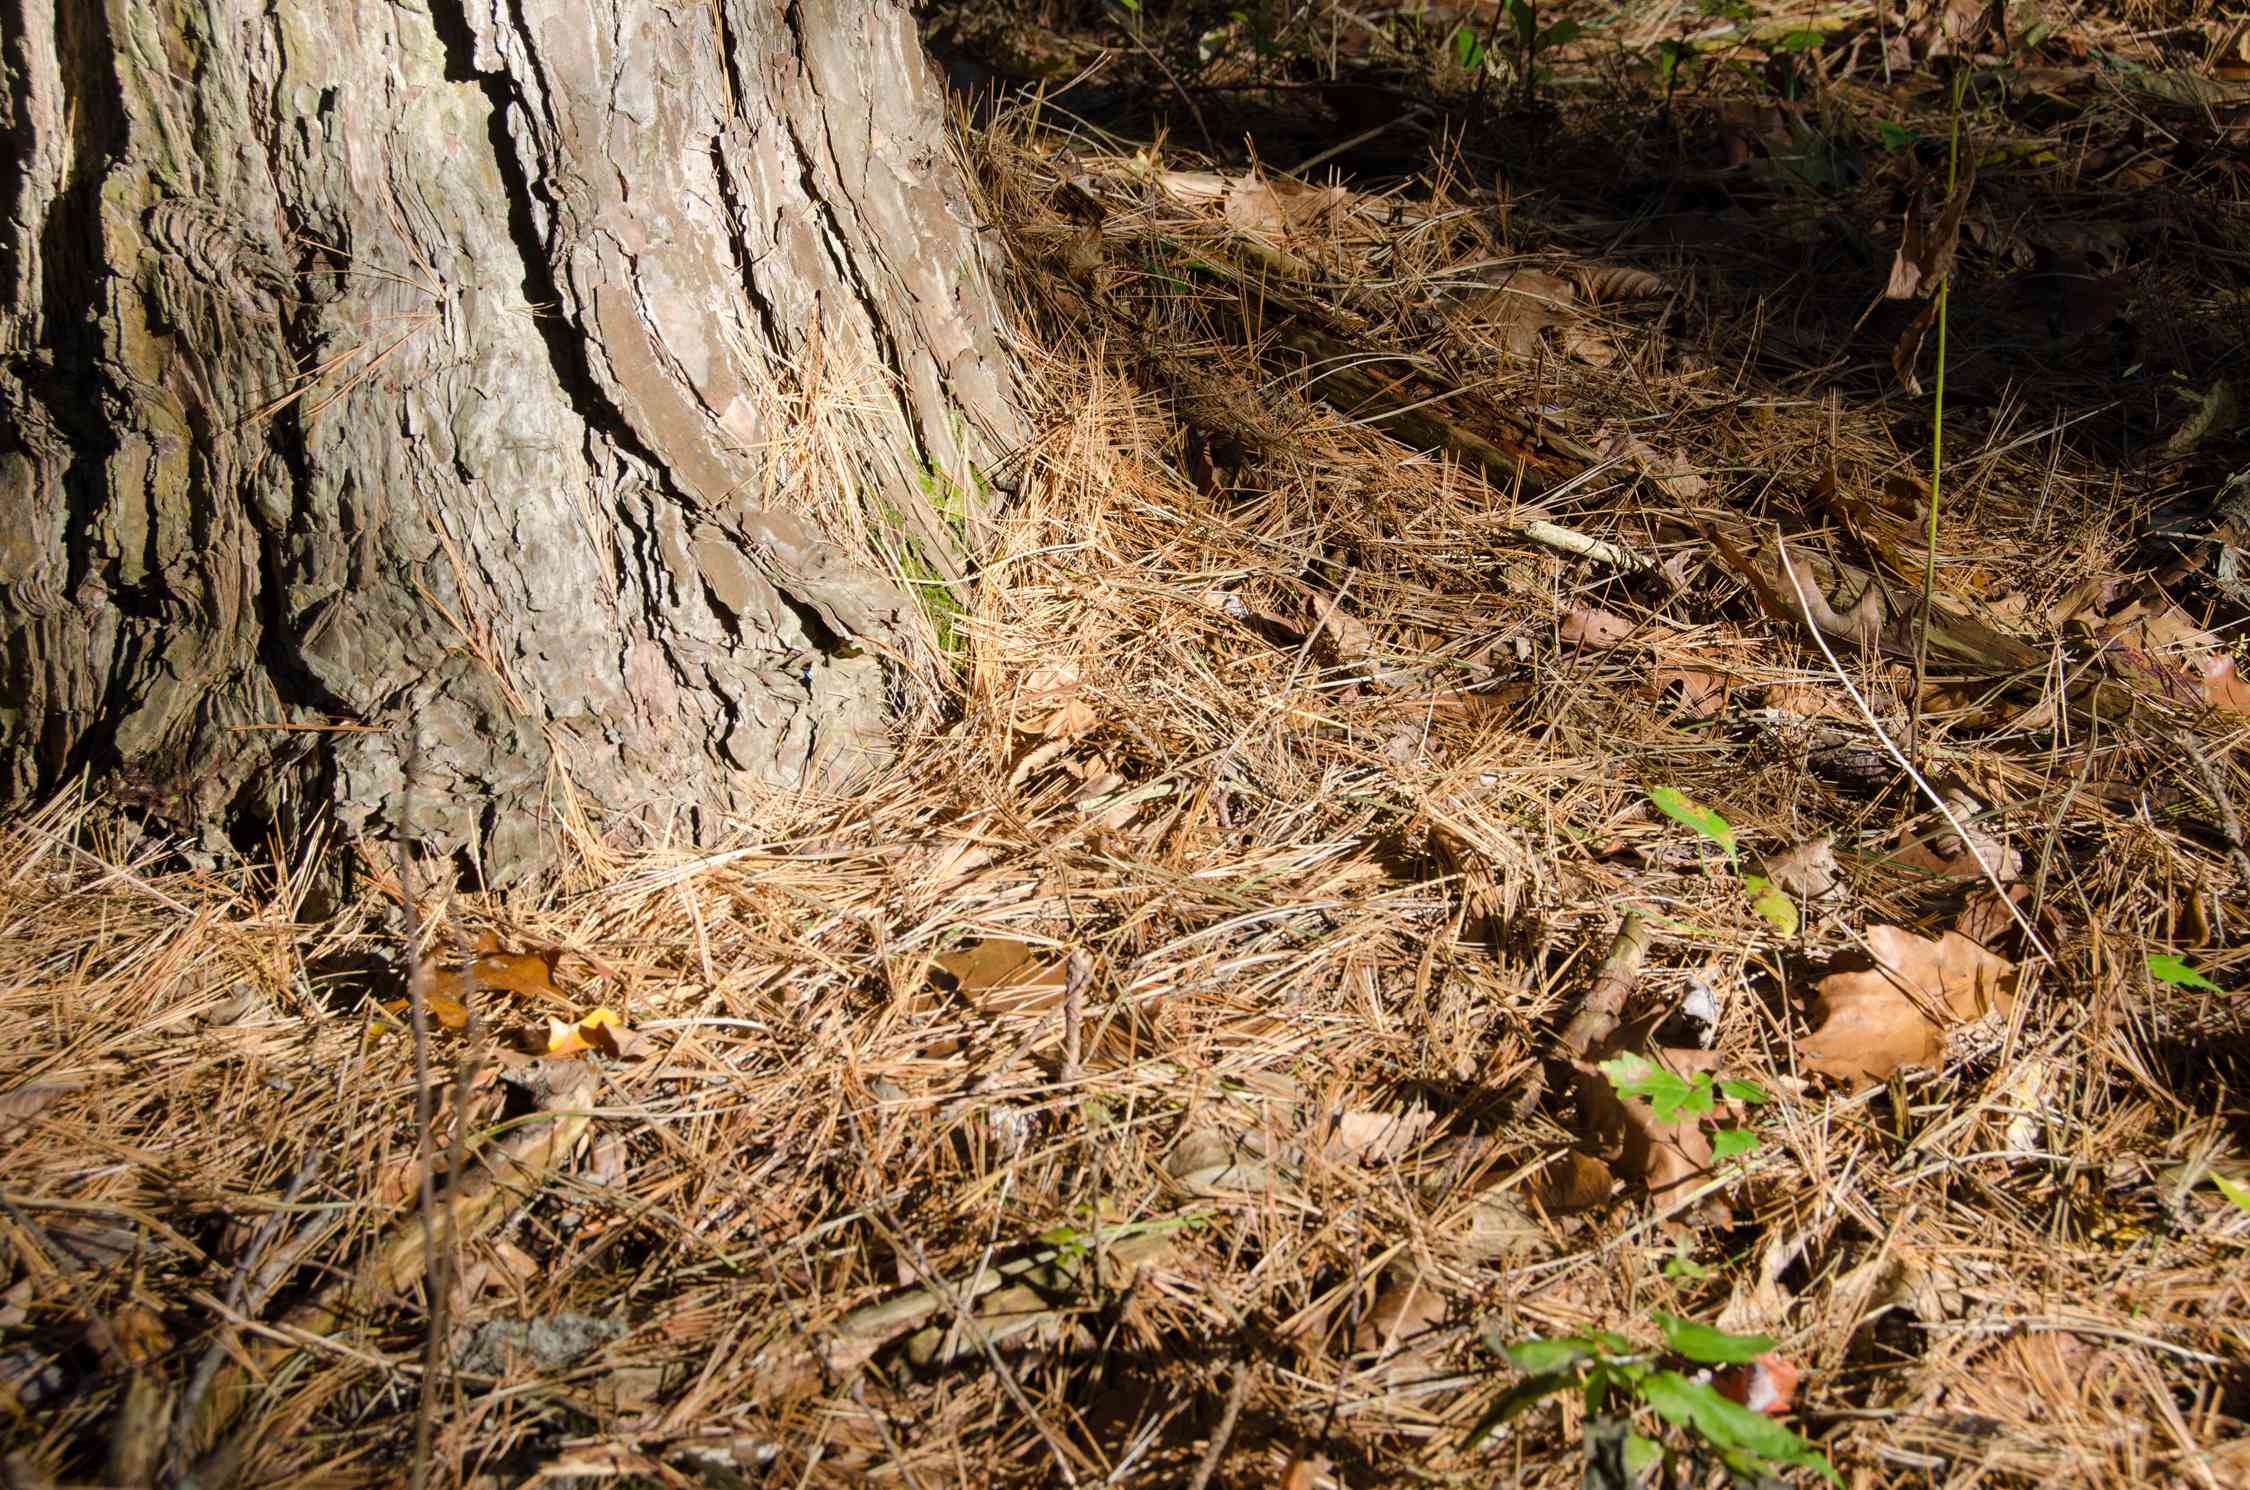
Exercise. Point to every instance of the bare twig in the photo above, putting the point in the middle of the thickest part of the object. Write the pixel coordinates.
(2230, 826)
(1976, 852)
(245, 1290)
(1237, 1391)
(1075, 978)
(883, 1430)
(1596, 1020)
(964, 1315)
(98, 1332)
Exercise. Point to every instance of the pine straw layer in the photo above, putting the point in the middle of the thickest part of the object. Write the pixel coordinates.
(1307, 879)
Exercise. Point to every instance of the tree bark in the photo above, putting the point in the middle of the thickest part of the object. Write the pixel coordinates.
(582, 397)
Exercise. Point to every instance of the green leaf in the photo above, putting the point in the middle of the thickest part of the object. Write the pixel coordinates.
(1713, 1347)
(1685, 1267)
(1548, 1355)
(1560, 33)
(1772, 902)
(1640, 1453)
(1733, 1143)
(1668, 1092)
(1629, 1073)
(2239, 1194)
(1523, 1394)
(2172, 968)
(1895, 137)
(1610, 1343)
(1735, 1089)
(1699, 1100)
(1668, 1393)
(1524, 18)
(1467, 50)
(1729, 1425)
(1669, 55)
(1802, 41)
(1682, 808)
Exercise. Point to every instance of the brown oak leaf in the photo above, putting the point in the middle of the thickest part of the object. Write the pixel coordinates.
(1897, 1013)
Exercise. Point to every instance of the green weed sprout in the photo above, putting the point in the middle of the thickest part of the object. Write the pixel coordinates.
(1608, 1371)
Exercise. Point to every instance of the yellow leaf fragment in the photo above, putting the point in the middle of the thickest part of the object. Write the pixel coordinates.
(600, 1030)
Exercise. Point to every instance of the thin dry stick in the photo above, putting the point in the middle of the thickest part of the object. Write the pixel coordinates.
(1081, 969)
(964, 1314)
(439, 1268)
(1904, 764)
(98, 1332)
(883, 1429)
(2230, 826)
(1209, 1465)
(1074, 1006)
(240, 1288)
(425, 1413)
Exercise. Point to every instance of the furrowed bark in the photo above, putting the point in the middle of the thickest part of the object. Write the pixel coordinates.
(547, 377)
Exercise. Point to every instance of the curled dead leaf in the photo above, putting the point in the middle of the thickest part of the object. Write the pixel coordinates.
(20, 1104)
(1701, 693)
(1613, 282)
(1671, 1158)
(1984, 917)
(445, 1011)
(1343, 636)
(1897, 1013)
(1214, 1162)
(1808, 871)
(1001, 975)
(1798, 702)
(1674, 477)
(1278, 205)
(1590, 626)
(599, 1029)
(1928, 241)
(447, 990)
(1407, 1308)
(1574, 1182)
(1376, 1137)
(1984, 852)
(1516, 309)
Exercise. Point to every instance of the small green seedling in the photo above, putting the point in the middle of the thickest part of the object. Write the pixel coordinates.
(1766, 898)
(1468, 48)
(1673, 1097)
(1672, 60)
(1531, 39)
(1606, 1368)
(2172, 968)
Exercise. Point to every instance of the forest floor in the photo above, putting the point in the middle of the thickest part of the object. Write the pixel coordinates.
(1515, 876)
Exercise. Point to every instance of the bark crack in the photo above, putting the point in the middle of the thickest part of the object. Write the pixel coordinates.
(566, 353)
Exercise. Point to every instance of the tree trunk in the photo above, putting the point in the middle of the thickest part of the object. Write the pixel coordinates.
(581, 397)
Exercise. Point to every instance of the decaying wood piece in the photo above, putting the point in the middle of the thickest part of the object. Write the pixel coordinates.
(1599, 1012)
(537, 373)
(1614, 981)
